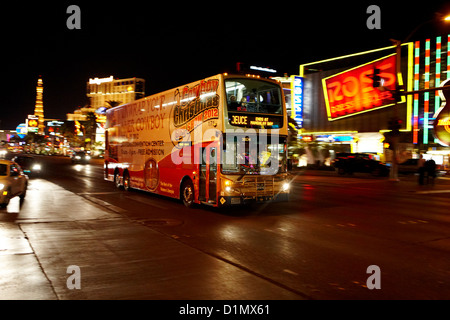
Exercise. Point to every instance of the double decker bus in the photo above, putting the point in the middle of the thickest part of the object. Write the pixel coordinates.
(219, 141)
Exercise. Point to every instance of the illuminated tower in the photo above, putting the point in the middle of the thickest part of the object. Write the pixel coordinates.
(39, 107)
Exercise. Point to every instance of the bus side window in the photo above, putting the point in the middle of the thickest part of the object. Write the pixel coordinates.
(233, 104)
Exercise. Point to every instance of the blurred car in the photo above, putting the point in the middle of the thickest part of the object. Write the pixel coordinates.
(409, 166)
(359, 162)
(13, 182)
(80, 157)
(28, 164)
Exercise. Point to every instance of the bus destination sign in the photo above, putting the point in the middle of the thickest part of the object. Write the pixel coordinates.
(255, 121)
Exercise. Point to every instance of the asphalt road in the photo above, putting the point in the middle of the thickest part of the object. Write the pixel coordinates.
(319, 245)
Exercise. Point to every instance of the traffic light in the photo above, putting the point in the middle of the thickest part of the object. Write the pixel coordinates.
(376, 78)
(394, 125)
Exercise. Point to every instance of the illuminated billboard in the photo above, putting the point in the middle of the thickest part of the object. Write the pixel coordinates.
(32, 123)
(351, 92)
(297, 101)
(442, 122)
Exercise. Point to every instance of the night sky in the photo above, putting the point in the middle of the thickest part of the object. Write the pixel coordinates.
(171, 43)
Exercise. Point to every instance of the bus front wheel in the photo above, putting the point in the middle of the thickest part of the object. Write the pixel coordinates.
(117, 180)
(126, 181)
(187, 193)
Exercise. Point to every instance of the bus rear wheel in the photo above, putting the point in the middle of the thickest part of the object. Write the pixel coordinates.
(187, 193)
(126, 181)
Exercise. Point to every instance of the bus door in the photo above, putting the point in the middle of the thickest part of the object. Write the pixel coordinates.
(208, 174)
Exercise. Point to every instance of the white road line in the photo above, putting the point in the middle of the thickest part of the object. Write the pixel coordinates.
(433, 191)
(105, 204)
(147, 201)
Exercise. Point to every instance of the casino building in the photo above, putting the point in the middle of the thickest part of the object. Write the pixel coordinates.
(104, 93)
(337, 108)
(122, 91)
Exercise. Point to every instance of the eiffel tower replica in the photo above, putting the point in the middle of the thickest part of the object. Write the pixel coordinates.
(39, 107)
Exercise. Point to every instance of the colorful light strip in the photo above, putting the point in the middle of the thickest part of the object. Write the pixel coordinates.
(438, 73)
(426, 103)
(409, 86)
(416, 96)
(448, 56)
(437, 82)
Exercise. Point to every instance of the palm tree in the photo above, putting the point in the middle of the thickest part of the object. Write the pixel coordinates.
(90, 126)
(112, 104)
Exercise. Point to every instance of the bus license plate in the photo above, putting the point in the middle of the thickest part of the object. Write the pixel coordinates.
(260, 186)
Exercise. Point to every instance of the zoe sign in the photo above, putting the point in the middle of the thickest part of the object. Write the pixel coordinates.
(351, 92)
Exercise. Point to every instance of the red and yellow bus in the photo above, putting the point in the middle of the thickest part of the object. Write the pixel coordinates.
(219, 141)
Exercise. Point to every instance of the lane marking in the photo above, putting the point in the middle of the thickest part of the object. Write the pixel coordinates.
(147, 201)
(290, 272)
(432, 191)
(105, 204)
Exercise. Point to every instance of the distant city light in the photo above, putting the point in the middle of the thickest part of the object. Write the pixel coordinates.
(263, 69)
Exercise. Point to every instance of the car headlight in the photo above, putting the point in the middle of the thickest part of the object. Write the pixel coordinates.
(77, 157)
(36, 167)
(2, 186)
(285, 187)
(88, 158)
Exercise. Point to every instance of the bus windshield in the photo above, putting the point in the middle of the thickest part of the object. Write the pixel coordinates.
(248, 158)
(251, 95)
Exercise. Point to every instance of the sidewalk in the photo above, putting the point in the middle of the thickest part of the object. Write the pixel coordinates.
(118, 258)
(407, 183)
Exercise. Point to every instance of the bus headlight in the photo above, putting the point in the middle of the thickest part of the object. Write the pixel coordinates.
(229, 186)
(285, 187)
(2, 186)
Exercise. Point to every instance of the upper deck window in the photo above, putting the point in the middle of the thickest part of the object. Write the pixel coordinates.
(254, 96)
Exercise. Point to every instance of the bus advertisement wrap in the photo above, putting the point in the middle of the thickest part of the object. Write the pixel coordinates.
(180, 143)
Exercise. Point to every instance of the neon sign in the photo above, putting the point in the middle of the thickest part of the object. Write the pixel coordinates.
(297, 101)
(22, 130)
(100, 81)
(32, 123)
(351, 92)
(442, 122)
(445, 123)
